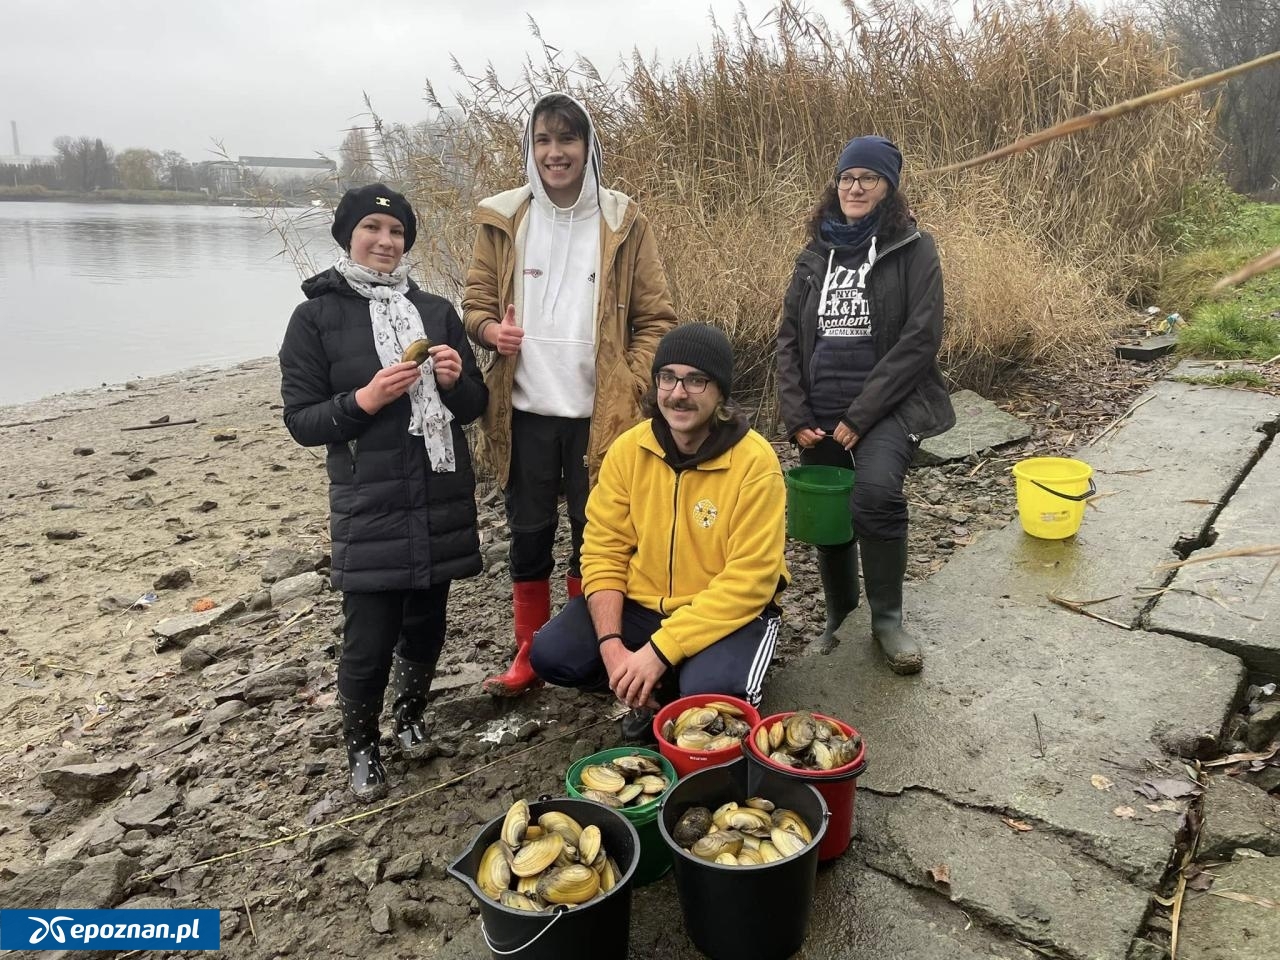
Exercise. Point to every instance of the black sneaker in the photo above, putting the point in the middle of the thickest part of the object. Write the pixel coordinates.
(637, 726)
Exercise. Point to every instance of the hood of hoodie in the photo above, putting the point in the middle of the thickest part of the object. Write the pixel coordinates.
(589, 196)
(723, 437)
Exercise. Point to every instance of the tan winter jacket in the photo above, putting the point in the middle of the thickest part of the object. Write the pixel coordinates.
(634, 311)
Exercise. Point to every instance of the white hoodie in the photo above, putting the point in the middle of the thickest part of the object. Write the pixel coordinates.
(556, 373)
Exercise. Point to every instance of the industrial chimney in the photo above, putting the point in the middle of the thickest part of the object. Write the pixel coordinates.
(13, 125)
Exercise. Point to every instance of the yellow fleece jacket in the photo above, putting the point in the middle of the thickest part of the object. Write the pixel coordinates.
(703, 546)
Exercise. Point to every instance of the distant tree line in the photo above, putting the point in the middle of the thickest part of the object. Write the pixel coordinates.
(1215, 34)
(85, 164)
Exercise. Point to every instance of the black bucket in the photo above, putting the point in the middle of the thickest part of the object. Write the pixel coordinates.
(599, 930)
(733, 912)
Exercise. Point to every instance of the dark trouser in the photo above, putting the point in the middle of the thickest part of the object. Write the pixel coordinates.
(408, 622)
(546, 452)
(565, 652)
(879, 460)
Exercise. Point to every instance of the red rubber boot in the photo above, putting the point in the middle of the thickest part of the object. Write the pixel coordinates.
(531, 608)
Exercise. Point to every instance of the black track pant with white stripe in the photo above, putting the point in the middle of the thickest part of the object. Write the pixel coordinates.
(565, 652)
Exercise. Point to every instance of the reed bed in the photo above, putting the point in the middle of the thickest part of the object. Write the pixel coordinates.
(727, 152)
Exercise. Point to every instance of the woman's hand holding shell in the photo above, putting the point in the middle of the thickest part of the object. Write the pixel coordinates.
(446, 364)
(388, 384)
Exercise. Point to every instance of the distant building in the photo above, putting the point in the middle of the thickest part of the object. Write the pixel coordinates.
(291, 176)
(26, 160)
(221, 177)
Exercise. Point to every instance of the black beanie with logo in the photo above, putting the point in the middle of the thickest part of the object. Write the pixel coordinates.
(358, 202)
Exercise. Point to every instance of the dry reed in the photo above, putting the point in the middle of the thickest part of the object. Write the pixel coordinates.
(727, 152)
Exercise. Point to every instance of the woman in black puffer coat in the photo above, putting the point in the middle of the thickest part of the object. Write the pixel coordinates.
(401, 487)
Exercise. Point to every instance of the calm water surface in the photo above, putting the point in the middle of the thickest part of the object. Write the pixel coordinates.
(103, 293)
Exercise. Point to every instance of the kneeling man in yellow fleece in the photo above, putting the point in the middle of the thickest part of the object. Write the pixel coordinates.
(682, 560)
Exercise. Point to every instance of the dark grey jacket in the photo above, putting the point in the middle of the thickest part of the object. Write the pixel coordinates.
(395, 524)
(905, 289)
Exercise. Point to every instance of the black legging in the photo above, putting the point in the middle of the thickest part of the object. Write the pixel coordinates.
(408, 622)
(879, 460)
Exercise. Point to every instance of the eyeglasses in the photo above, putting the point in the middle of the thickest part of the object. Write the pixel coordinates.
(869, 181)
(692, 382)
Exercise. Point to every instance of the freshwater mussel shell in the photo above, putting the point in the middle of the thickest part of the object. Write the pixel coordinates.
(692, 826)
(416, 352)
(571, 885)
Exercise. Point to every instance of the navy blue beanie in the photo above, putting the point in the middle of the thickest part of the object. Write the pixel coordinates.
(871, 153)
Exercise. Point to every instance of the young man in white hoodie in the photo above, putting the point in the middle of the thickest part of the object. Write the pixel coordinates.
(566, 288)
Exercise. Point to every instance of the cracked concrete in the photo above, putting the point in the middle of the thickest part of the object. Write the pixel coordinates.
(1073, 907)
(966, 728)
(1161, 477)
(1230, 603)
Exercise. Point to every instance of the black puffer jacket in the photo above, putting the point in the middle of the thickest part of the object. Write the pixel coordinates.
(395, 524)
(905, 289)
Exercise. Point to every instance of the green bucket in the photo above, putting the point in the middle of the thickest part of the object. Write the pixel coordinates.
(655, 855)
(818, 505)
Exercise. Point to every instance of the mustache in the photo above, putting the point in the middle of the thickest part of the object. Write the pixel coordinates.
(680, 405)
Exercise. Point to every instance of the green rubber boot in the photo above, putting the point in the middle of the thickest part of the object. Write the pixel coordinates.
(884, 563)
(838, 567)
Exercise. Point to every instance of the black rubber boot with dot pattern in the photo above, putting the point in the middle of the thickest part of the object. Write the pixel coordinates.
(411, 682)
(360, 736)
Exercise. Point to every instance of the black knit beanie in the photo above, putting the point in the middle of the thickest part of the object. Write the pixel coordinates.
(358, 202)
(698, 345)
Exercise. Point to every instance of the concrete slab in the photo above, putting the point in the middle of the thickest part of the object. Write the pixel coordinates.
(1160, 476)
(1034, 884)
(1202, 369)
(1230, 603)
(1237, 815)
(858, 914)
(1218, 928)
(980, 425)
(966, 728)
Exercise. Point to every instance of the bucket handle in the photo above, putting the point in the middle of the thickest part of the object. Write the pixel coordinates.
(1077, 497)
(560, 912)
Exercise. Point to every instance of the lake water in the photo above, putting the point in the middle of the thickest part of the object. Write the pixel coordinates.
(103, 293)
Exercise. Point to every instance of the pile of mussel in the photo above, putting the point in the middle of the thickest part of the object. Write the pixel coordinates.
(751, 833)
(539, 866)
(806, 742)
(626, 781)
(713, 726)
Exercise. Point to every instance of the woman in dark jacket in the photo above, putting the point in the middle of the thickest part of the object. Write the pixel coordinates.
(401, 488)
(858, 376)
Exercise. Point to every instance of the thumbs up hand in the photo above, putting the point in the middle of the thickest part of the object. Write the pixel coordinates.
(505, 337)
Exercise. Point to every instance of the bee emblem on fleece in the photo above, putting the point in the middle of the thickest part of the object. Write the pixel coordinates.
(705, 513)
(382, 201)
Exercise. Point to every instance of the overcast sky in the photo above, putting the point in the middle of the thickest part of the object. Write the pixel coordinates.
(285, 77)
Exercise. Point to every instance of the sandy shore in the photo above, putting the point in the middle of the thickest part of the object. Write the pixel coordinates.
(214, 496)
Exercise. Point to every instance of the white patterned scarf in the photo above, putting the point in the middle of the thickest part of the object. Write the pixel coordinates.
(396, 324)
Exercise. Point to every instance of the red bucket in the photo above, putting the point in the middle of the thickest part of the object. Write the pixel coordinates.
(689, 761)
(837, 786)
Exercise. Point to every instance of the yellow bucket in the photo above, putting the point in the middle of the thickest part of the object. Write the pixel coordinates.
(1051, 495)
